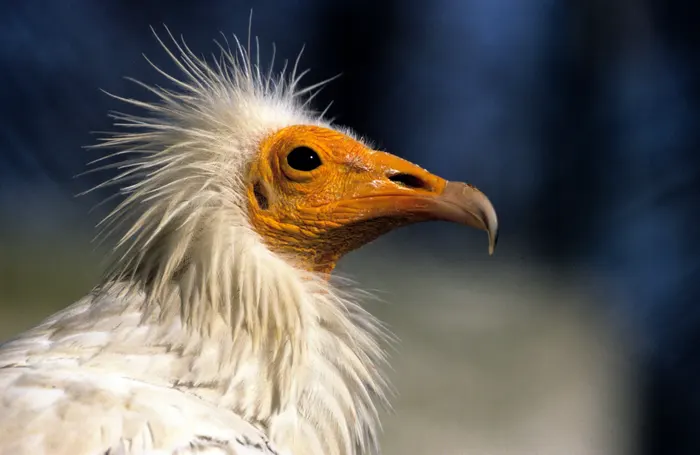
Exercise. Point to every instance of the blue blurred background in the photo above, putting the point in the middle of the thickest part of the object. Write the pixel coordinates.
(579, 119)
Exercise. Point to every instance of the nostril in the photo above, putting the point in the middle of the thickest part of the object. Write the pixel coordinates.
(408, 180)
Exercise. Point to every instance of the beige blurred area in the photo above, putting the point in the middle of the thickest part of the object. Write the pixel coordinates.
(495, 357)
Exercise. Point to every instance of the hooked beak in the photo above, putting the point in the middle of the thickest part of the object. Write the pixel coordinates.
(465, 204)
(404, 191)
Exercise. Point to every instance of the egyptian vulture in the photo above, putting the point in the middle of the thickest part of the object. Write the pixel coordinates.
(217, 328)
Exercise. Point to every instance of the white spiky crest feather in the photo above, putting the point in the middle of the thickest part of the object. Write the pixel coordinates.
(186, 242)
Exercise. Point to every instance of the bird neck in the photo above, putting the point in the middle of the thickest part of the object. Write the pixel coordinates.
(320, 254)
(285, 347)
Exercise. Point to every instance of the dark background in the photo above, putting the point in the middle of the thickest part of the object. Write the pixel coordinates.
(579, 119)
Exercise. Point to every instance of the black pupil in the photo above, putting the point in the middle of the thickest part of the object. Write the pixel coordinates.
(303, 159)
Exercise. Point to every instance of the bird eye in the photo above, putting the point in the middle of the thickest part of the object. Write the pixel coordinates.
(303, 159)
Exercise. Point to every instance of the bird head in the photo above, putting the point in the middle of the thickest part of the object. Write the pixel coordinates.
(233, 169)
(316, 193)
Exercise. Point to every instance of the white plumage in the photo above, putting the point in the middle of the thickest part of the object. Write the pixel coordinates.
(151, 362)
(200, 339)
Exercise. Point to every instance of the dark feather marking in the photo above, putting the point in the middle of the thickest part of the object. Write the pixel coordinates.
(195, 385)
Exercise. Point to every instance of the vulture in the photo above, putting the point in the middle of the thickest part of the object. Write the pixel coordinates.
(218, 327)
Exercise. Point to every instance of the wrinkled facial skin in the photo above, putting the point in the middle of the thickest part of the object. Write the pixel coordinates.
(315, 194)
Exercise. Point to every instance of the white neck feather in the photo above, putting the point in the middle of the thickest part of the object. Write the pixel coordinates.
(292, 351)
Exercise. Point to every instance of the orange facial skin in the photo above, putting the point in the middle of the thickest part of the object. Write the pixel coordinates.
(316, 209)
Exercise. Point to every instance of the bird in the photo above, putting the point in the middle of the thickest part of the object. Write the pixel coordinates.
(219, 326)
